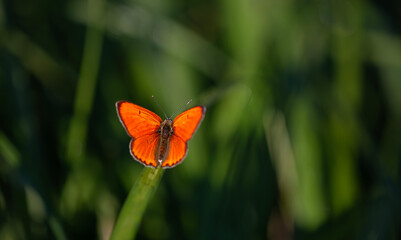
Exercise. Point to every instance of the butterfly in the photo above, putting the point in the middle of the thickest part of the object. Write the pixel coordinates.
(155, 142)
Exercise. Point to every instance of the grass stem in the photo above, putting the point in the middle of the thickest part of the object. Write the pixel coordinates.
(131, 214)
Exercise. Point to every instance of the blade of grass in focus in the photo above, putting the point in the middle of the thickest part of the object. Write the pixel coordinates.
(131, 214)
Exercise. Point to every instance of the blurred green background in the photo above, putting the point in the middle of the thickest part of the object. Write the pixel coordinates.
(301, 139)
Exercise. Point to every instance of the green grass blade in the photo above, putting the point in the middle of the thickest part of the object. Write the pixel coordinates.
(134, 207)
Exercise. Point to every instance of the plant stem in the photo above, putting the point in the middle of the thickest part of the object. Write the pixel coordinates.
(131, 214)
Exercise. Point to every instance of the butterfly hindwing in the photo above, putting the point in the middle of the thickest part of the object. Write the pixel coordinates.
(177, 152)
(143, 149)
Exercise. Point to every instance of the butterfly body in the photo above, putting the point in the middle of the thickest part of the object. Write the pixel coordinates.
(166, 131)
(155, 142)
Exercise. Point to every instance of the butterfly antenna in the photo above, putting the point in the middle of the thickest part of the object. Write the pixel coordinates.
(190, 100)
(159, 106)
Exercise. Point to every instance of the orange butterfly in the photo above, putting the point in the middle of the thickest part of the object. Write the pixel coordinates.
(155, 142)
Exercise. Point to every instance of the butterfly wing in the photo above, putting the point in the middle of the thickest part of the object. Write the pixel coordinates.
(185, 126)
(137, 121)
(142, 125)
(143, 149)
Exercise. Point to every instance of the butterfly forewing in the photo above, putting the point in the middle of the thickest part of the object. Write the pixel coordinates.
(187, 122)
(137, 121)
